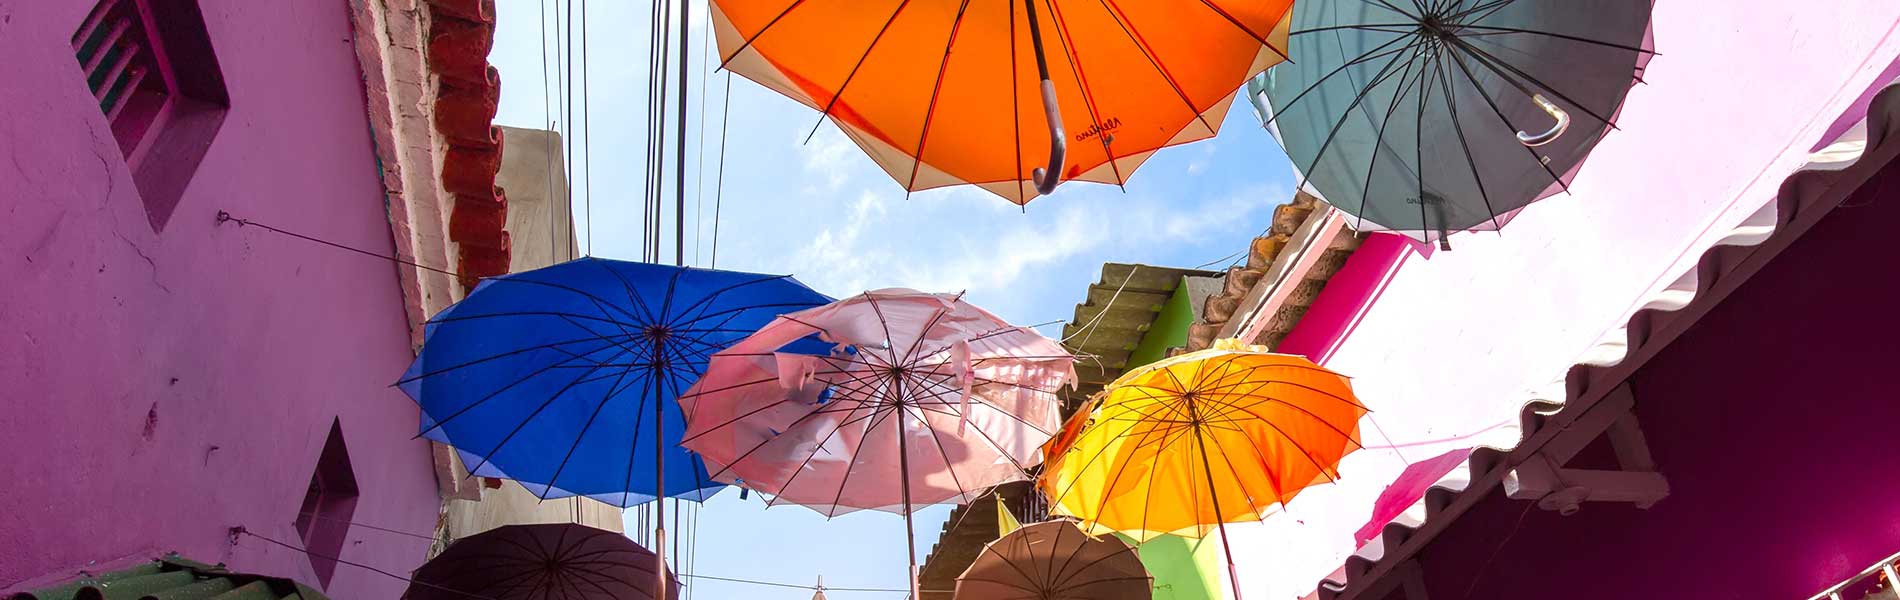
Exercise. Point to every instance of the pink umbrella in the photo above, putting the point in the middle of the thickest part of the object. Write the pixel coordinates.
(973, 396)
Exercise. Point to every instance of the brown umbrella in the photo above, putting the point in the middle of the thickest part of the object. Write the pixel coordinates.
(1054, 560)
(543, 562)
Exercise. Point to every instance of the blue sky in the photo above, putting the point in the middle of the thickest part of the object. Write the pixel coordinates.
(824, 212)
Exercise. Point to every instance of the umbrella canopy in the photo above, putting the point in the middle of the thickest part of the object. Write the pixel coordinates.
(554, 377)
(928, 399)
(945, 92)
(1428, 118)
(1053, 560)
(1187, 444)
(540, 562)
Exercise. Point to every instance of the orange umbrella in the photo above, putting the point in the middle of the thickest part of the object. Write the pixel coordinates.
(945, 92)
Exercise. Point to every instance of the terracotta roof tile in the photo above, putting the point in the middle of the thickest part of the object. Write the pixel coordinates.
(461, 32)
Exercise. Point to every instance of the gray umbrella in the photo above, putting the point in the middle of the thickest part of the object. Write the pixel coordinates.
(1429, 117)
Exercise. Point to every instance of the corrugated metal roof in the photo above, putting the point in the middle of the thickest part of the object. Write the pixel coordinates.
(1830, 175)
(1111, 319)
(174, 578)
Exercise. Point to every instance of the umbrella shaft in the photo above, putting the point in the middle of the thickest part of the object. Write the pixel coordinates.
(1035, 39)
(903, 479)
(659, 470)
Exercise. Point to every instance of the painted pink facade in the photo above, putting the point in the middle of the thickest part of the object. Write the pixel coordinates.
(1446, 348)
(160, 387)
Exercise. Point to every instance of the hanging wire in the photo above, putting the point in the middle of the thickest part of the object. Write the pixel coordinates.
(225, 217)
(587, 136)
(567, 115)
(236, 531)
(699, 166)
(547, 144)
(679, 158)
(719, 181)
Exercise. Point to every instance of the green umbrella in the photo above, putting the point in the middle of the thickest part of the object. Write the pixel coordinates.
(1428, 117)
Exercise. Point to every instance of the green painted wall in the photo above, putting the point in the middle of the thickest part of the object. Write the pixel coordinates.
(1170, 329)
(1183, 568)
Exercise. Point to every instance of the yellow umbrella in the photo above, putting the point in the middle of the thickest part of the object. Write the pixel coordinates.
(1186, 444)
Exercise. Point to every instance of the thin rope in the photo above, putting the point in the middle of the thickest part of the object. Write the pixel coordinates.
(224, 217)
(801, 586)
(368, 526)
(1090, 327)
(243, 531)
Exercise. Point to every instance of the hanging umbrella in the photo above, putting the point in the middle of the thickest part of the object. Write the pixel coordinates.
(928, 399)
(1187, 444)
(540, 562)
(560, 377)
(1428, 117)
(945, 92)
(1053, 560)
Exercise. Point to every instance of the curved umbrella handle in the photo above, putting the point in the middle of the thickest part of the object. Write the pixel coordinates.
(1046, 179)
(1563, 124)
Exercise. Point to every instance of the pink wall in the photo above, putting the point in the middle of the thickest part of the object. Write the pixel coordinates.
(159, 389)
(1771, 418)
(1458, 341)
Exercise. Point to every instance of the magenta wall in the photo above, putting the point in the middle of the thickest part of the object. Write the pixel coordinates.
(160, 388)
(1773, 419)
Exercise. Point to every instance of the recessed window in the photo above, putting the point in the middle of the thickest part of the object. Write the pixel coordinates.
(150, 67)
(324, 519)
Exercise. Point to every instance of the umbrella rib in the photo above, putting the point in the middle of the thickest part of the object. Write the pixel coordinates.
(439, 423)
(633, 297)
(1101, 506)
(1016, 103)
(1134, 37)
(910, 354)
(598, 301)
(595, 338)
(1329, 424)
(1056, 502)
(1494, 63)
(1376, 53)
(994, 445)
(445, 318)
(1229, 17)
(701, 480)
(1395, 9)
(1405, 86)
(1082, 81)
(1402, 28)
(1377, 80)
(854, 67)
(1473, 80)
(930, 110)
(941, 451)
(1505, 30)
(844, 480)
(1471, 161)
(761, 33)
(983, 402)
(1418, 146)
(612, 392)
(1488, 9)
(706, 300)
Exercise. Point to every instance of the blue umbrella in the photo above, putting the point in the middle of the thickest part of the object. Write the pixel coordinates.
(553, 377)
